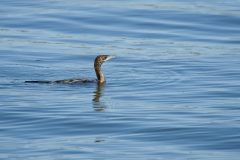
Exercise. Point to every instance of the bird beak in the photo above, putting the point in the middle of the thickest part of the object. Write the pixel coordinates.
(109, 57)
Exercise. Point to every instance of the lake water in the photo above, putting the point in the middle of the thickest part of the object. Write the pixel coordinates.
(172, 92)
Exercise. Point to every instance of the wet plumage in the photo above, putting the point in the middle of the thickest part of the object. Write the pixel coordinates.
(99, 60)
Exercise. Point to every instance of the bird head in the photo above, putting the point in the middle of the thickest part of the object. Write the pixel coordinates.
(102, 58)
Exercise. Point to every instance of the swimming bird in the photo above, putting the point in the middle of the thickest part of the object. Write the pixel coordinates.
(99, 60)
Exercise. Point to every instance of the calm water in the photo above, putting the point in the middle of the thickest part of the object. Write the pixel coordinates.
(173, 92)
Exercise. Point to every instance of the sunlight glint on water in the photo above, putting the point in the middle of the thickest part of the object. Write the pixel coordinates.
(172, 91)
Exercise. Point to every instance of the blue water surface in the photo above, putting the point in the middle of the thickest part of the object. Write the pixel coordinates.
(172, 92)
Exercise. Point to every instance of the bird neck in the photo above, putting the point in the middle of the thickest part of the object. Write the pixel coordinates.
(99, 73)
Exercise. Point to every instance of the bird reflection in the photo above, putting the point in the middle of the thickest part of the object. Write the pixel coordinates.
(97, 104)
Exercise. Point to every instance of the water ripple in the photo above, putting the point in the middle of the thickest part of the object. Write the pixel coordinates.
(172, 90)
